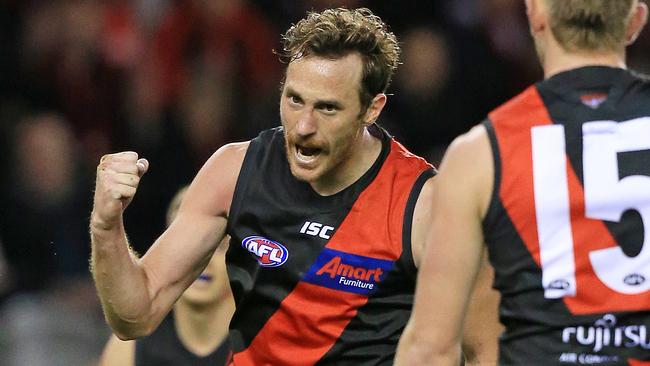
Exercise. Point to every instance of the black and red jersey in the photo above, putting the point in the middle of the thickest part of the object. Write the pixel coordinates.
(321, 280)
(568, 229)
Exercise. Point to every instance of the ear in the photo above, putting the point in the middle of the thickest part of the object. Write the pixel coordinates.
(375, 108)
(536, 12)
(637, 22)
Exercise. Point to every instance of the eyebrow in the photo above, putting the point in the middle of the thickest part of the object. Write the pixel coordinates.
(318, 103)
(323, 103)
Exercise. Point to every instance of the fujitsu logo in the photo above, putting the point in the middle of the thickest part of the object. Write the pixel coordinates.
(605, 333)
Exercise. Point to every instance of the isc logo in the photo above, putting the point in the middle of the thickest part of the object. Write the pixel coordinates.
(267, 252)
(316, 229)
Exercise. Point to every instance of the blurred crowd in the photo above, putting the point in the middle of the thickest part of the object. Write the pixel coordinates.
(174, 80)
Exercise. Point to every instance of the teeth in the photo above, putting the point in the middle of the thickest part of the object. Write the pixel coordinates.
(306, 155)
(304, 158)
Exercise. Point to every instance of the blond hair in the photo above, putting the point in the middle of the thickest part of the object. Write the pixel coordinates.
(590, 25)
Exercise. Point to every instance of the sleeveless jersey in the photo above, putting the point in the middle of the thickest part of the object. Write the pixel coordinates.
(568, 229)
(164, 348)
(321, 280)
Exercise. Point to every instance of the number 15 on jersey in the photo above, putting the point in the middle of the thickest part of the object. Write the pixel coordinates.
(580, 260)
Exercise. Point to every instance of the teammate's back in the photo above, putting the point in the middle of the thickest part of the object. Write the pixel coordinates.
(557, 183)
(566, 222)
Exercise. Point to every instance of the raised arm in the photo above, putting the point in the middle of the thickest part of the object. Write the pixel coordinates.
(136, 293)
(451, 259)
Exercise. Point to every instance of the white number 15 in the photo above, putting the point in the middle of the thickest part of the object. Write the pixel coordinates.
(606, 197)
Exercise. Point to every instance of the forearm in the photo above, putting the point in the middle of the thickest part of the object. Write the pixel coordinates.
(420, 348)
(121, 283)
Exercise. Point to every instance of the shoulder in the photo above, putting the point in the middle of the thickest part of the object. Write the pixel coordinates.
(404, 156)
(269, 136)
(234, 152)
(225, 163)
(522, 104)
(468, 166)
(463, 183)
(473, 141)
(214, 184)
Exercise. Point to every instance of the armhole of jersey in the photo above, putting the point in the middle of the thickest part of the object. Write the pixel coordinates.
(242, 181)
(407, 251)
(491, 212)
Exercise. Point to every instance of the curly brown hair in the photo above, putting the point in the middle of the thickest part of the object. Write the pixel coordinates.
(335, 33)
(589, 25)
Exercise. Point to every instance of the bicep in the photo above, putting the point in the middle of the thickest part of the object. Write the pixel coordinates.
(185, 248)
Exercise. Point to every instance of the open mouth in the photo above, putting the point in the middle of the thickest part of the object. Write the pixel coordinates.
(307, 154)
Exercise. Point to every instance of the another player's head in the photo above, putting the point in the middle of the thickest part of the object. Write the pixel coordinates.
(340, 63)
(212, 285)
(589, 27)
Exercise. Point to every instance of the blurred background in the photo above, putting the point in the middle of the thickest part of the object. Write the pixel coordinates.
(174, 80)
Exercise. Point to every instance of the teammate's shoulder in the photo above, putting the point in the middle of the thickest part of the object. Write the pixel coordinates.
(468, 167)
(472, 145)
(525, 101)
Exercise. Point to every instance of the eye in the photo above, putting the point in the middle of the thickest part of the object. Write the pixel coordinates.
(328, 108)
(295, 99)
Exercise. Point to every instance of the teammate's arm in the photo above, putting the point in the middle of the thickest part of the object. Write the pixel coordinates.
(453, 256)
(118, 353)
(136, 293)
(482, 328)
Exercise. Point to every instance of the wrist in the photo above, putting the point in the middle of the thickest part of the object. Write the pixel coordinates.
(99, 225)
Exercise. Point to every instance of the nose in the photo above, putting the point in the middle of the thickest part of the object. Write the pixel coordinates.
(307, 123)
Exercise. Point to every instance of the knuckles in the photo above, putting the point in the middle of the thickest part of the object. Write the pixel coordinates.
(115, 167)
(117, 175)
(126, 156)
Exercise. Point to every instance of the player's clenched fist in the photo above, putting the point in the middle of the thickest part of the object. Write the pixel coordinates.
(118, 176)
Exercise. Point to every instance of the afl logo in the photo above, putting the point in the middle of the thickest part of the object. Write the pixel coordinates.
(267, 252)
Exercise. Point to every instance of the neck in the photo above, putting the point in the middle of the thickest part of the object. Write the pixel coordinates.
(362, 155)
(557, 60)
(201, 329)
